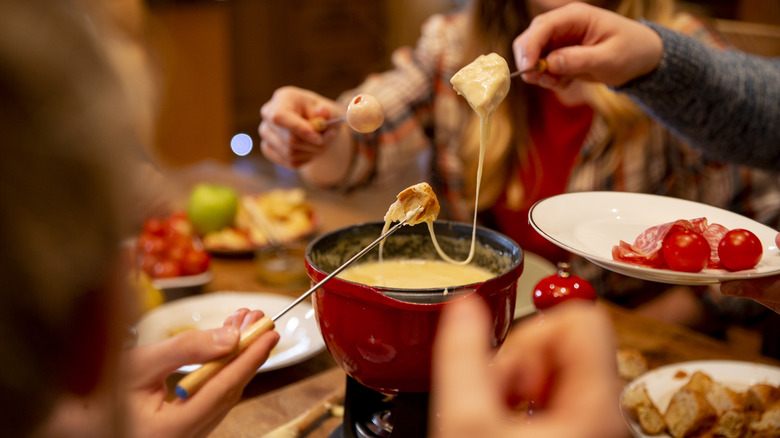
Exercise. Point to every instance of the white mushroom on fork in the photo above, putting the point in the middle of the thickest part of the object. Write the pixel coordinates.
(365, 114)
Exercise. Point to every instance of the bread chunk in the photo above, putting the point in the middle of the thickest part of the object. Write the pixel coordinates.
(639, 405)
(724, 399)
(730, 424)
(418, 195)
(760, 396)
(688, 413)
(768, 426)
(699, 382)
(631, 363)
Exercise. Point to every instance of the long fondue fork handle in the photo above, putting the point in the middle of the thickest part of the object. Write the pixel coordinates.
(193, 381)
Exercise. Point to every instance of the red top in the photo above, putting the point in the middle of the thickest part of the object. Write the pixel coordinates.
(558, 132)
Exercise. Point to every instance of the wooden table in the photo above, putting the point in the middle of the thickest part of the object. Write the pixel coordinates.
(275, 397)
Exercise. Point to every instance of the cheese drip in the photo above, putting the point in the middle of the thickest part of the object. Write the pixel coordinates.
(484, 84)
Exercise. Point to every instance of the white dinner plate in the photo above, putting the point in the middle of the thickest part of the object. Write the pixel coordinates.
(589, 224)
(535, 268)
(183, 281)
(663, 382)
(299, 340)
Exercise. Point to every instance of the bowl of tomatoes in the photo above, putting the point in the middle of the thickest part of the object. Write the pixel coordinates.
(171, 254)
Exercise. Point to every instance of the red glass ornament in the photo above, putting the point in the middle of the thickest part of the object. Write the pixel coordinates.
(560, 287)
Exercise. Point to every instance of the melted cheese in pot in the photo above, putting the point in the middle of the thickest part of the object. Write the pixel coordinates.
(415, 274)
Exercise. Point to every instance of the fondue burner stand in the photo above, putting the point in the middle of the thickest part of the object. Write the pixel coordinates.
(371, 414)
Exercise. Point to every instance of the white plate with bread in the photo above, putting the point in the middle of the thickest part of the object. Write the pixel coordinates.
(691, 398)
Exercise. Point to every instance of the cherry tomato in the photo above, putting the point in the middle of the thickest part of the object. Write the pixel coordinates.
(686, 251)
(561, 287)
(166, 269)
(150, 244)
(167, 248)
(147, 263)
(177, 250)
(195, 262)
(156, 227)
(739, 249)
(179, 224)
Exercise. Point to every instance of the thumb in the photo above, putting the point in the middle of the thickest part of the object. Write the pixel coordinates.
(151, 363)
(461, 362)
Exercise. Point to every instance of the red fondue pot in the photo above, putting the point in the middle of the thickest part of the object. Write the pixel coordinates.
(382, 337)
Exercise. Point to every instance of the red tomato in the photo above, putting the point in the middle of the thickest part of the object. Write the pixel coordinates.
(739, 249)
(167, 249)
(560, 287)
(147, 263)
(179, 224)
(686, 251)
(177, 250)
(166, 269)
(150, 244)
(156, 227)
(195, 262)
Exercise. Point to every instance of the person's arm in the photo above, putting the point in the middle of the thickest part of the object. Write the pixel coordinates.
(726, 102)
(722, 101)
(352, 159)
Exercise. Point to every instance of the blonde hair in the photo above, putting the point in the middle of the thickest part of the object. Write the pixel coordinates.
(495, 23)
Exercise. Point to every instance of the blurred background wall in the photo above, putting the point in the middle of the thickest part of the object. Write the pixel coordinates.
(222, 59)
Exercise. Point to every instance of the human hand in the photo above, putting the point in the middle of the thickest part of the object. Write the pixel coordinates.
(288, 136)
(561, 365)
(147, 367)
(765, 290)
(586, 42)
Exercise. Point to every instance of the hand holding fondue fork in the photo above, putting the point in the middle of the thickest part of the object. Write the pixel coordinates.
(196, 379)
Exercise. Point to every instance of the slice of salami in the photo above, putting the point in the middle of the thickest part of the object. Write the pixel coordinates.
(714, 234)
(646, 249)
(629, 253)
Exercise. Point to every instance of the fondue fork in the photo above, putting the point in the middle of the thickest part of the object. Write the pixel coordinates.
(193, 381)
(540, 66)
(320, 124)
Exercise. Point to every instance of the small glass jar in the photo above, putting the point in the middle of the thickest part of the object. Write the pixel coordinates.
(283, 265)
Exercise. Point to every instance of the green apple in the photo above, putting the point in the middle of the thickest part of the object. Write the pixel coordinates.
(211, 207)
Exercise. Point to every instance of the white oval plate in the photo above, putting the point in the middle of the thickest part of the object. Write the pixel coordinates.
(535, 267)
(299, 340)
(589, 224)
(661, 383)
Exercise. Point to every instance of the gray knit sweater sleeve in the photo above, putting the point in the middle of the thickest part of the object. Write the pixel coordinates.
(724, 102)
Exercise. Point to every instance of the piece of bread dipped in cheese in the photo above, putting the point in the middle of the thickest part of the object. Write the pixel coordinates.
(418, 195)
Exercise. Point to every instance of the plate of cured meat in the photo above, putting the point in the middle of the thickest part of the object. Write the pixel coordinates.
(596, 225)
